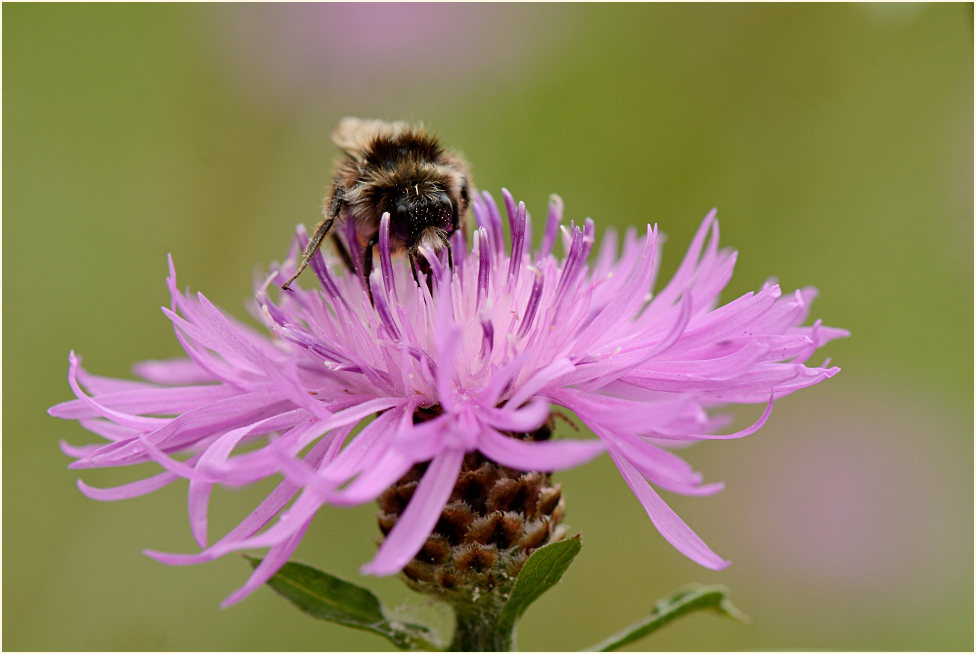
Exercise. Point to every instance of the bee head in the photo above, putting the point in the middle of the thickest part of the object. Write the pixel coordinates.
(420, 214)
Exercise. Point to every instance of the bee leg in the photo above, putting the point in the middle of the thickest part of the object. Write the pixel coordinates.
(413, 266)
(310, 250)
(420, 266)
(321, 230)
(368, 263)
(460, 213)
(343, 252)
(368, 257)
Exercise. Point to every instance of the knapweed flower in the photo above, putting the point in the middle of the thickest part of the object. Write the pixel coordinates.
(472, 357)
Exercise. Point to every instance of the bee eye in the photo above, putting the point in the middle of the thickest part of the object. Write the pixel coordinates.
(445, 202)
(448, 209)
(402, 213)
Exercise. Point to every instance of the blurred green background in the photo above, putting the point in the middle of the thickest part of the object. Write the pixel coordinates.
(836, 140)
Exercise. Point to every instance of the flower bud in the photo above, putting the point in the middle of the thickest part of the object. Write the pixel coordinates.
(495, 518)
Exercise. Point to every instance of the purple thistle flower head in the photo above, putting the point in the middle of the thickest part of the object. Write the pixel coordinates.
(493, 340)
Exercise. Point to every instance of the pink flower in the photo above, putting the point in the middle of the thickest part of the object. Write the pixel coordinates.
(495, 340)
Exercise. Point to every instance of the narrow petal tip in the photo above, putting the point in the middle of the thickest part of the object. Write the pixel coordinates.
(721, 564)
(373, 570)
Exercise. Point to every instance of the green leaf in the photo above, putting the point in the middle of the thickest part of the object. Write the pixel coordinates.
(325, 597)
(541, 571)
(690, 598)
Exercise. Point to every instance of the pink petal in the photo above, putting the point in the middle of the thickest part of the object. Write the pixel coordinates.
(683, 276)
(126, 419)
(543, 456)
(258, 518)
(276, 557)
(544, 377)
(418, 520)
(172, 372)
(130, 490)
(673, 528)
(525, 419)
(146, 400)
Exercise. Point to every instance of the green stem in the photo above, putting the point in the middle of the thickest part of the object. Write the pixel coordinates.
(478, 630)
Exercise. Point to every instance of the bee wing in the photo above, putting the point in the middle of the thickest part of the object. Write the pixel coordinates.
(354, 135)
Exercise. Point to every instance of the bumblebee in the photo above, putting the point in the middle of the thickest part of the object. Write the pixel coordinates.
(391, 168)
